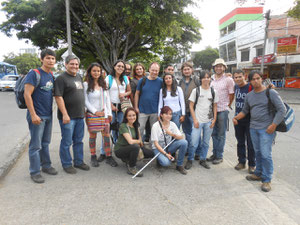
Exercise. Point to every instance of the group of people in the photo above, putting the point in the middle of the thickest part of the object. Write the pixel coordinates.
(155, 107)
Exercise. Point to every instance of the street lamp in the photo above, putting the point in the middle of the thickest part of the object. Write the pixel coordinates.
(68, 27)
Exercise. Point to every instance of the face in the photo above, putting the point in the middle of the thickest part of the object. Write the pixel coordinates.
(119, 68)
(168, 80)
(206, 79)
(131, 117)
(166, 116)
(72, 67)
(128, 69)
(219, 69)
(239, 79)
(256, 81)
(139, 71)
(48, 61)
(154, 71)
(169, 69)
(96, 72)
(187, 71)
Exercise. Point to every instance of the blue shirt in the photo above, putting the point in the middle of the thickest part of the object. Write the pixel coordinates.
(148, 101)
(240, 96)
(42, 95)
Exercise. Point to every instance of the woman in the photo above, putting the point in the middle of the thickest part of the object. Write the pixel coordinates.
(138, 73)
(161, 134)
(119, 88)
(97, 102)
(172, 96)
(130, 142)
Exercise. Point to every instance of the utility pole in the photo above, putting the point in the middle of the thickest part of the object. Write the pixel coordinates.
(267, 16)
(68, 27)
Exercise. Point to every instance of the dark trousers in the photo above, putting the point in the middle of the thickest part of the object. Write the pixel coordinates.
(128, 153)
(242, 134)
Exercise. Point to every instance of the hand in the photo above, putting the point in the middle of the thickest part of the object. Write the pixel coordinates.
(271, 129)
(122, 95)
(141, 144)
(110, 118)
(100, 113)
(181, 119)
(137, 109)
(169, 156)
(114, 108)
(235, 122)
(66, 119)
(213, 122)
(36, 120)
(196, 124)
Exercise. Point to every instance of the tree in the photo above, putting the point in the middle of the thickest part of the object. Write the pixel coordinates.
(24, 62)
(106, 30)
(295, 11)
(205, 58)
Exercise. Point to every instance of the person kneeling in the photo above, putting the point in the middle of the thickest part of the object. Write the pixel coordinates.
(162, 134)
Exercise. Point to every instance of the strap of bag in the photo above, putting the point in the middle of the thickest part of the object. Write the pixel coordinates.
(165, 139)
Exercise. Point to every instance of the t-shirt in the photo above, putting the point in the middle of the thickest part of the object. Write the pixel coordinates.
(203, 111)
(133, 85)
(71, 89)
(42, 95)
(122, 142)
(240, 95)
(148, 101)
(176, 103)
(114, 91)
(158, 135)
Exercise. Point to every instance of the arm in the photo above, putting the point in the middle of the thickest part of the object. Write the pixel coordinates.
(213, 122)
(136, 100)
(231, 98)
(182, 104)
(162, 151)
(192, 111)
(61, 106)
(126, 93)
(88, 104)
(239, 116)
(28, 90)
(130, 140)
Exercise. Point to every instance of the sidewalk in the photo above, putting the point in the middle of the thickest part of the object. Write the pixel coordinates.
(107, 195)
(290, 95)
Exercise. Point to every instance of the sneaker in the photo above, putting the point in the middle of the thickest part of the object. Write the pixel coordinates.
(133, 171)
(37, 178)
(181, 170)
(211, 158)
(111, 161)
(197, 157)
(94, 162)
(70, 170)
(82, 166)
(50, 170)
(188, 164)
(266, 187)
(253, 177)
(217, 161)
(101, 158)
(251, 169)
(240, 166)
(204, 164)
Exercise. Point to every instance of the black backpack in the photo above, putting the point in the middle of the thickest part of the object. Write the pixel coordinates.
(198, 94)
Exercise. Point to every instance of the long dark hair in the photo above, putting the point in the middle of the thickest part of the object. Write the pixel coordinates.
(173, 86)
(136, 122)
(252, 73)
(113, 72)
(90, 79)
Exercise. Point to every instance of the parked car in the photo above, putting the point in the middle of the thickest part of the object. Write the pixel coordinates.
(8, 82)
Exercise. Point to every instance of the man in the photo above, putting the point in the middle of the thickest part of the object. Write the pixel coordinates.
(242, 129)
(69, 96)
(147, 96)
(224, 86)
(169, 69)
(263, 124)
(39, 99)
(128, 69)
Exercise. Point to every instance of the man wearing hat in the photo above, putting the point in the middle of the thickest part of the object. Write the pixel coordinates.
(224, 86)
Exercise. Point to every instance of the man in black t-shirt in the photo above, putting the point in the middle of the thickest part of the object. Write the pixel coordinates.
(69, 96)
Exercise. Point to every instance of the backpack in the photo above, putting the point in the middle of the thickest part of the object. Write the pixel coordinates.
(110, 80)
(142, 85)
(198, 94)
(20, 85)
(289, 117)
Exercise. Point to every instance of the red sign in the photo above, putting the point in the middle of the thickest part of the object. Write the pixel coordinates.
(267, 59)
(292, 82)
(285, 45)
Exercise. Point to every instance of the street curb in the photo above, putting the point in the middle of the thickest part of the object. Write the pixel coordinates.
(16, 152)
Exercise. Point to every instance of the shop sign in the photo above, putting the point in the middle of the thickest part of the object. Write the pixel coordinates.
(267, 59)
(286, 45)
(292, 82)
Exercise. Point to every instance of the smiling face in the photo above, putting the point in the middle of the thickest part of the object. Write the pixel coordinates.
(96, 72)
(219, 69)
(154, 70)
(169, 69)
(139, 71)
(168, 79)
(187, 71)
(128, 69)
(206, 80)
(166, 116)
(119, 68)
(72, 67)
(239, 79)
(131, 117)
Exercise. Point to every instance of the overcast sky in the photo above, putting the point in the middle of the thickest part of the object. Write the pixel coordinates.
(208, 12)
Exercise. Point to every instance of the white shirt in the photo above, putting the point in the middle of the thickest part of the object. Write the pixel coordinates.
(113, 91)
(176, 103)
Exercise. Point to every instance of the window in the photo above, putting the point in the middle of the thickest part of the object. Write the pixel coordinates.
(231, 51)
(259, 51)
(223, 52)
(245, 55)
(223, 32)
(231, 28)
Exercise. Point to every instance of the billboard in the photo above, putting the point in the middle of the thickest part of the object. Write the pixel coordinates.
(286, 45)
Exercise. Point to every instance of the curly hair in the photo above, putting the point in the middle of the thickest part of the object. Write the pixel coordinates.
(90, 79)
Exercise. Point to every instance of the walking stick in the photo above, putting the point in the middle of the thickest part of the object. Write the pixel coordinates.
(153, 159)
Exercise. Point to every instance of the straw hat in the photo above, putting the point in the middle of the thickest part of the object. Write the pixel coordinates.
(220, 61)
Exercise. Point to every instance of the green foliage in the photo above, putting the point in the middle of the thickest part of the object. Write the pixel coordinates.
(106, 30)
(205, 58)
(24, 62)
(295, 11)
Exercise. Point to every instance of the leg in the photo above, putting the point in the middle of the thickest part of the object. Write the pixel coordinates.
(207, 131)
(92, 143)
(219, 134)
(195, 136)
(240, 134)
(251, 152)
(129, 153)
(114, 133)
(44, 153)
(142, 121)
(77, 141)
(180, 145)
(163, 160)
(187, 128)
(175, 118)
(256, 145)
(66, 142)
(147, 131)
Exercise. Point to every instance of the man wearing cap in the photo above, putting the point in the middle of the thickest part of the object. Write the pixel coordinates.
(224, 86)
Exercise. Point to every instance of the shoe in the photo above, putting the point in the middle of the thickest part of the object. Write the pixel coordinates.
(240, 166)
(211, 158)
(181, 170)
(111, 161)
(204, 164)
(70, 170)
(94, 162)
(197, 157)
(251, 169)
(217, 161)
(82, 166)
(266, 187)
(37, 178)
(101, 158)
(253, 177)
(188, 164)
(50, 170)
(133, 171)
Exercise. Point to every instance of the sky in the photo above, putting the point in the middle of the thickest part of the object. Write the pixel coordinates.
(209, 12)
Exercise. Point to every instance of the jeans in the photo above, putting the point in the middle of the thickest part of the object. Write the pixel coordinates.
(187, 127)
(197, 141)
(219, 134)
(143, 119)
(119, 115)
(71, 134)
(175, 118)
(262, 143)
(178, 144)
(39, 144)
(242, 133)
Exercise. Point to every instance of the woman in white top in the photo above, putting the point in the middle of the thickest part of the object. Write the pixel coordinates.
(119, 88)
(171, 95)
(97, 102)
